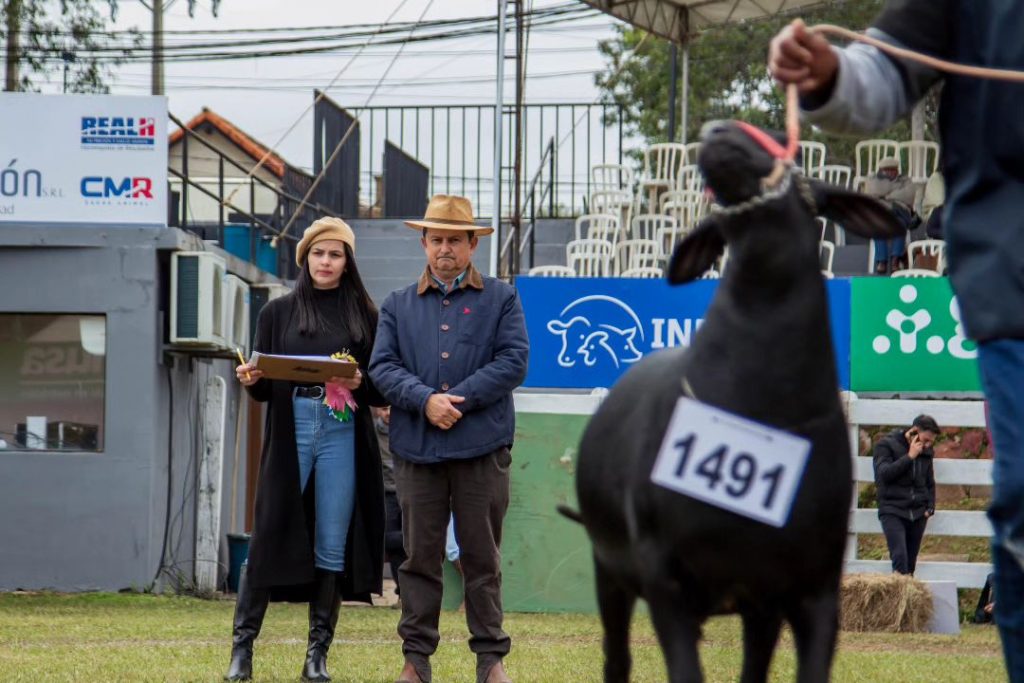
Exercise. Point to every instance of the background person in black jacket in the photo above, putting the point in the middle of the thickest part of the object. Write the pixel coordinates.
(906, 489)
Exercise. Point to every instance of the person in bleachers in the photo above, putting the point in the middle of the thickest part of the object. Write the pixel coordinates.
(897, 190)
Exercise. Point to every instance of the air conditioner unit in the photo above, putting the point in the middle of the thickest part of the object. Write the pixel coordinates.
(197, 307)
(259, 295)
(236, 313)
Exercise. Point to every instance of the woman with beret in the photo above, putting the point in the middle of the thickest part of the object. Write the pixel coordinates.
(318, 529)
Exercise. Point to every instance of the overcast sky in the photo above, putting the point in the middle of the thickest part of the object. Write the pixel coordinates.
(266, 96)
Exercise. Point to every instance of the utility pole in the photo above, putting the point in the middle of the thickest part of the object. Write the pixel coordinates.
(13, 11)
(158, 47)
(499, 107)
(672, 91)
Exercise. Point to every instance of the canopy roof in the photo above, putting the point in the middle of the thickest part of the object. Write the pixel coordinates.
(677, 19)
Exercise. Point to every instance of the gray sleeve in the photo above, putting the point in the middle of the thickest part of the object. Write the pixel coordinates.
(872, 91)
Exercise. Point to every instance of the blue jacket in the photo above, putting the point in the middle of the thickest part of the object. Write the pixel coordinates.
(471, 343)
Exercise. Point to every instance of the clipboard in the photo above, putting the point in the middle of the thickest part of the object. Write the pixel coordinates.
(308, 369)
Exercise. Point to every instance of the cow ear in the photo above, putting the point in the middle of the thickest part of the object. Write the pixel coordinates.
(856, 212)
(697, 252)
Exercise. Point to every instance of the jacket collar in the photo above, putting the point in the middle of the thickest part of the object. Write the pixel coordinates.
(472, 278)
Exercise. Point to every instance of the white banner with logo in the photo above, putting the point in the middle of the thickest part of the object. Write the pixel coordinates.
(83, 159)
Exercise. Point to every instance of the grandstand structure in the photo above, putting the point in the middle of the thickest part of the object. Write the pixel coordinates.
(633, 221)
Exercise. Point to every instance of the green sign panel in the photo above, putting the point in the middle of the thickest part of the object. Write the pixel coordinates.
(906, 336)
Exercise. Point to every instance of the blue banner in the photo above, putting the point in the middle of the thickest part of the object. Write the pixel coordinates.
(586, 332)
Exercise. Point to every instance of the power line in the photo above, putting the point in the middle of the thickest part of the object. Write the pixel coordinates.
(224, 51)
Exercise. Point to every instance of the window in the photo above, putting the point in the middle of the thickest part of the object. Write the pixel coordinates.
(52, 381)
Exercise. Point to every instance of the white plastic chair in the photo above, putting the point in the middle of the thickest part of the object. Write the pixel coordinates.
(611, 177)
(648, 272)
(668, 237)
(662, 162)
(919, 159)
(686, 206)
(646, 225)
(710, 274)
(929, 248)
(812, 157)
(615, 203)
(692, 151)
(914, 272)
(636, 253)
(836, 174)
(597, 226)
(826, 255)
(589, 257)
(827, 274)
(552, 271)
(690, 178)
(868, 153)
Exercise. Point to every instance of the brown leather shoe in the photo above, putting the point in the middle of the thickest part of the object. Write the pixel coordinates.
(409, 674)
(497, 674)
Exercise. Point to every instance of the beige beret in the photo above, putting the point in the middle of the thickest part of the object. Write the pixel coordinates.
(327, 228)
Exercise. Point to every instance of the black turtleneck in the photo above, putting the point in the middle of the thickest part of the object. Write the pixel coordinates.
(333, 338)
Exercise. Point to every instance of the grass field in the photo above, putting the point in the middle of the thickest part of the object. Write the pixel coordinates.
(130, 637)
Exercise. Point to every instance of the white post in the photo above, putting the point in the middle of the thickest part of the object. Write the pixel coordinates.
(686, 91)
(499, 103)
(211, 471)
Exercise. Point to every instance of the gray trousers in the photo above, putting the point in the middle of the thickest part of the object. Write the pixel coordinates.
(476, 491)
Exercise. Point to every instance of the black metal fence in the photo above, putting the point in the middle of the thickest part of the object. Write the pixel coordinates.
(406, 184)
(456, 142)
(245, 223)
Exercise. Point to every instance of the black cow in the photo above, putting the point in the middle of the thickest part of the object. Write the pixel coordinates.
(763, 353)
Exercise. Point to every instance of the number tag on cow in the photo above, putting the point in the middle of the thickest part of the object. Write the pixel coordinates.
(731, 462)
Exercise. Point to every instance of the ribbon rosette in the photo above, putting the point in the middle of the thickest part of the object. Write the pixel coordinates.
(338, 398)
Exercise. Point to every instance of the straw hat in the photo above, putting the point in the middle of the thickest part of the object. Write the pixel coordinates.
(326, 228)
(449, 212)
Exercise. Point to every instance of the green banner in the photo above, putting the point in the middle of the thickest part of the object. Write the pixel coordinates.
(905, 335)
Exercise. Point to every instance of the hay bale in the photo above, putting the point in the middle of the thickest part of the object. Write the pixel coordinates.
(891, 603)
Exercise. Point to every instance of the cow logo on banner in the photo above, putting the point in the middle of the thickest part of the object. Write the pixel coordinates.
(597, 329)
(586, 333)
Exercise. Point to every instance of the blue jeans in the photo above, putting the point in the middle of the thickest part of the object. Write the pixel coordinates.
(887, 249)
(451, 545)
(327, 447)
(1001, 363)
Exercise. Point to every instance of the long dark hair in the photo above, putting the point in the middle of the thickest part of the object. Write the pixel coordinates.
(357, 308)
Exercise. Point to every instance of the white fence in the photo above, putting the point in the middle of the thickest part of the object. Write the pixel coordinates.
(860, 411)
(968, 413)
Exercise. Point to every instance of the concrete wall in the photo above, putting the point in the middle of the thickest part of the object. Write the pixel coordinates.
(81, 521)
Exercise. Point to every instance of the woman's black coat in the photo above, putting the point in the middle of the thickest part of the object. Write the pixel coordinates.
(281, 546)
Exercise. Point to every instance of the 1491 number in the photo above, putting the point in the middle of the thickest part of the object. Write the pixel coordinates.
(737, 471)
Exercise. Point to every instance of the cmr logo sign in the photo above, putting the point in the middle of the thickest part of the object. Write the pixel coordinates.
(107, 188)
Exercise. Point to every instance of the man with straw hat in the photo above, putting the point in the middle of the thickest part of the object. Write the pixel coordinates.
(450, 349)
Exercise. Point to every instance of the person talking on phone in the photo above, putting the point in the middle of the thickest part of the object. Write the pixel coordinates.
(906, 489)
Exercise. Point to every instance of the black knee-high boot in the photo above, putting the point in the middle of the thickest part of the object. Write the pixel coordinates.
(249, 610)
(323, 616)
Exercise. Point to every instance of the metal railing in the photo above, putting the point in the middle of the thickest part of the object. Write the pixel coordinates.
(456, 143)
(277, 202)
(538, 194)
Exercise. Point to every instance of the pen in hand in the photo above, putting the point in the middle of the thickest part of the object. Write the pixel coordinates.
(241, 359)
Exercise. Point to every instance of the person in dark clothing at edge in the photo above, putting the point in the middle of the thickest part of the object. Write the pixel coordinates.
(318, 530)
(906, 489)
(860, 90)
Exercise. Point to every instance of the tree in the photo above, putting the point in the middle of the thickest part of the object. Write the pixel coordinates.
(728, 78)
(43, 34)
